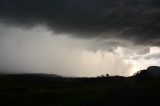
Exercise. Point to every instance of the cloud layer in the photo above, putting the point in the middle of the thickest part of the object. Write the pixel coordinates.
(133, 20)
(38, 51)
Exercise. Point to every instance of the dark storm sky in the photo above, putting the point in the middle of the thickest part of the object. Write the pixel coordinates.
(71, 37)
(136, 20)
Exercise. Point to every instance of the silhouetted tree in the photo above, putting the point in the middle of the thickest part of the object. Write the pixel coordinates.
(143, 75)
(107, 75)
(102, 76)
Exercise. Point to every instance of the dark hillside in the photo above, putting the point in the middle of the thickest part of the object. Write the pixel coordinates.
(53, 90)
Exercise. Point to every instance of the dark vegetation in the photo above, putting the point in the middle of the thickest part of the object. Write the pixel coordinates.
(51, 90)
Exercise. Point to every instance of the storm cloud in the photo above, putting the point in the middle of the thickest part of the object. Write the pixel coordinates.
(79, 37)
(132, 20)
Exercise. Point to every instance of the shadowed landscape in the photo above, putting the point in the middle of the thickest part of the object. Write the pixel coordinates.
(53, 90)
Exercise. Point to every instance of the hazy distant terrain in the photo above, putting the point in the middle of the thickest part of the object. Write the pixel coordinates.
(53, 90)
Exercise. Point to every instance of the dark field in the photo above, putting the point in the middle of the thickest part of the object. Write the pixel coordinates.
(44, 90)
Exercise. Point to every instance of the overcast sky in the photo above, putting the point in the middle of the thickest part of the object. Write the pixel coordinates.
(79, 37)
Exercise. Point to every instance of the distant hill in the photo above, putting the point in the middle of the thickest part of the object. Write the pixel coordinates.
(147, 74)
(154, 70)
(30, 77)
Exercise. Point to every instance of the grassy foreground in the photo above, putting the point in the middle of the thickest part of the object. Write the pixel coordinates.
(41, 90)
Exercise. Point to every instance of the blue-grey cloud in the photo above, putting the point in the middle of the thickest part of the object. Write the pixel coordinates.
(153, 56)
(133, 20)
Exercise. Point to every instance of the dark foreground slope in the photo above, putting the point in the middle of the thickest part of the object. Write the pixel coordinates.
(44, 90)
